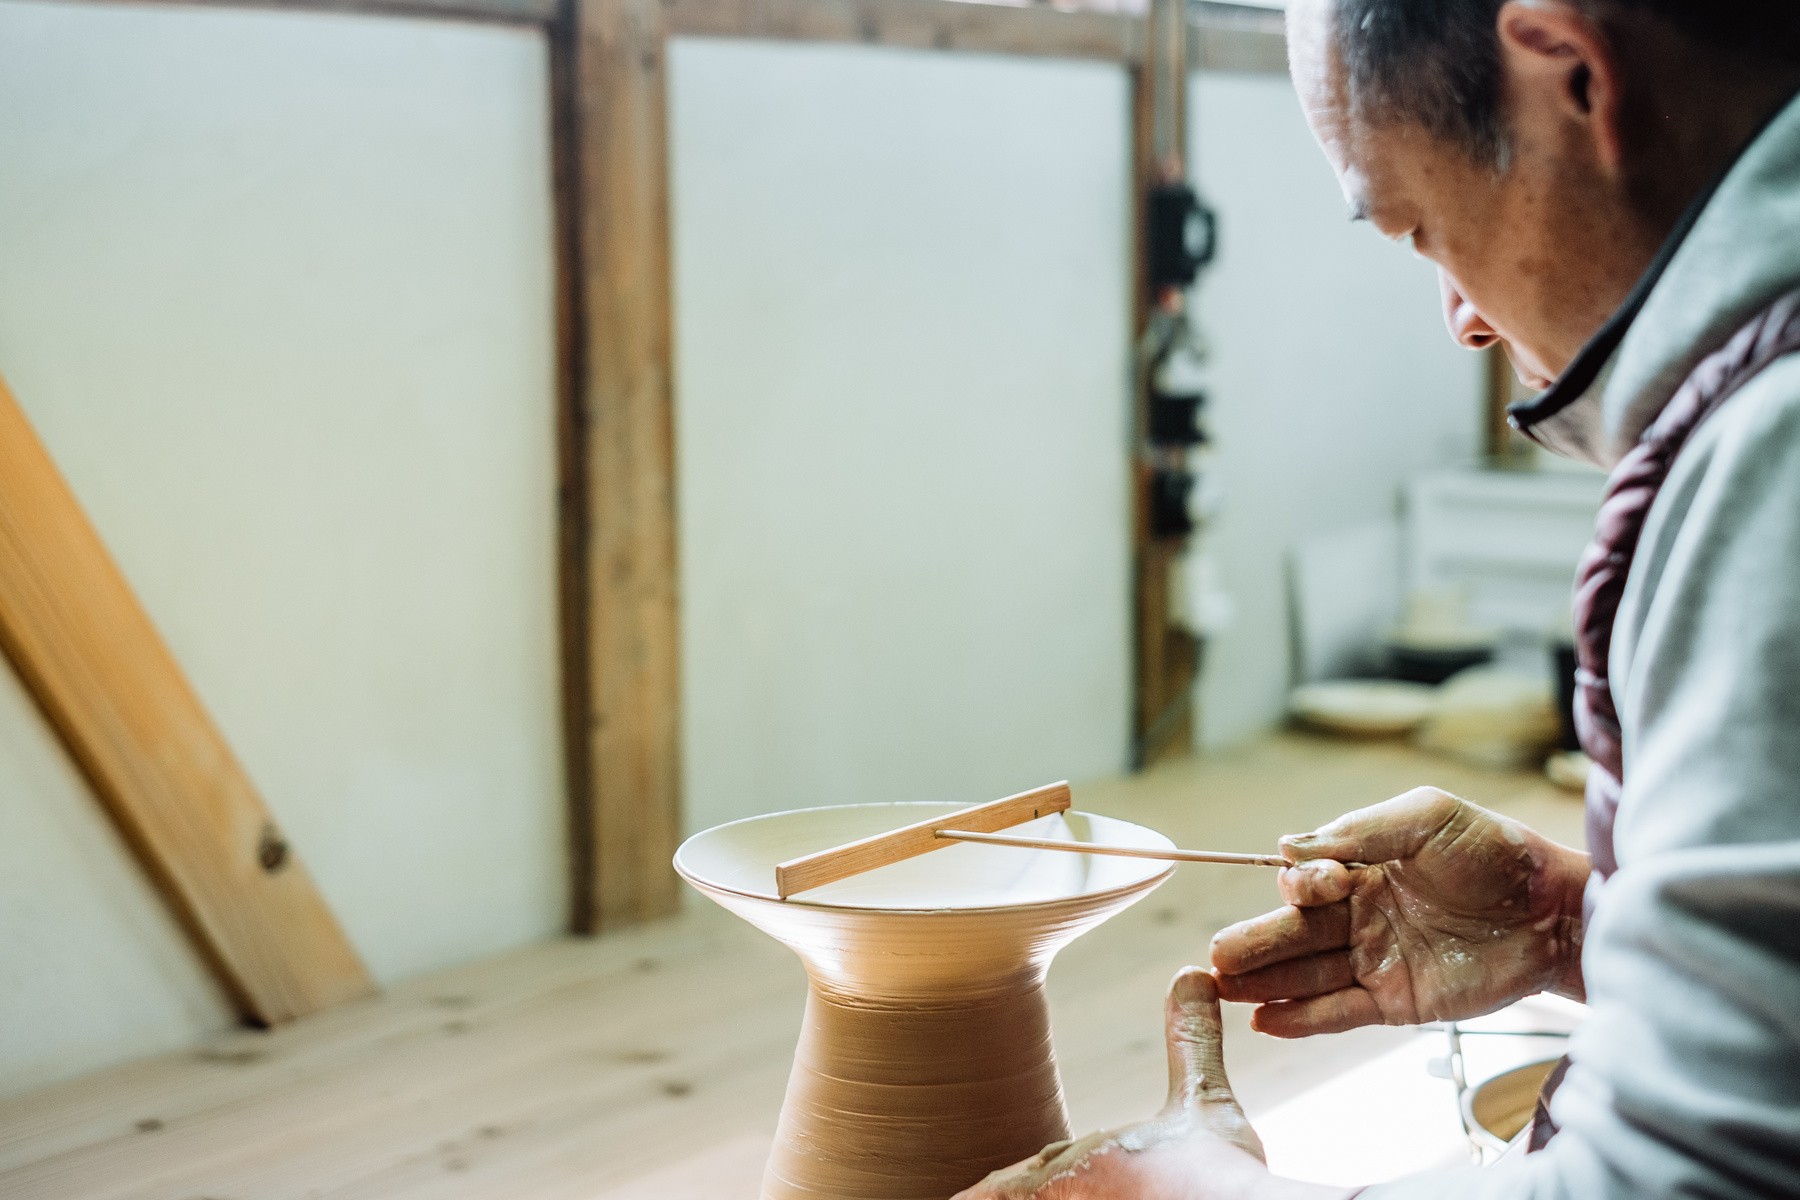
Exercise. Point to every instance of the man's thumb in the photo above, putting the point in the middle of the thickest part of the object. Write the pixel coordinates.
(1197, 1079)
(1196, 1043)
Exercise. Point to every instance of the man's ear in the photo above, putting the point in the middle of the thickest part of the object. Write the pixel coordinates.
(1559, 64)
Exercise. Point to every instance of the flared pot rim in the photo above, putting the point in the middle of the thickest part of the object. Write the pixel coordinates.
(1079, 900)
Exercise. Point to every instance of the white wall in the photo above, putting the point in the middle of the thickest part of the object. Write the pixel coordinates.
(902, 321)
(1332, 378)
(277, 294)
(92, 967)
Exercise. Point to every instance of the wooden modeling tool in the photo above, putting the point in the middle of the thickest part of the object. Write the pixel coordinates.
(979, 824)
(909, 841)
(1191, 856)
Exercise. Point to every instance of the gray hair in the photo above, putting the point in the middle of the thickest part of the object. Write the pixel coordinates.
(1437, 62)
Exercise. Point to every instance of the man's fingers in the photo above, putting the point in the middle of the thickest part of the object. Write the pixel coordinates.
(1296, 979)
(1196, 1041)
(1350, 1008)
(1275, 937)
(1396, 828)
(1314, 883)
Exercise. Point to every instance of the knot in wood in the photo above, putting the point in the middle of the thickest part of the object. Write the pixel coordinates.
(272, 850)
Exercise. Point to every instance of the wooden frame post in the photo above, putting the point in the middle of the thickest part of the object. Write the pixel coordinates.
(1503, 445)
(625, 745)
(1166, 658)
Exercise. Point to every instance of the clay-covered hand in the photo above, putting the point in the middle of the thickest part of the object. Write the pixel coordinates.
(1200, 1134)
(1457, 912)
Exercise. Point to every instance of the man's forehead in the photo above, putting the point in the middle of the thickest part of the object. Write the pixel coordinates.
(1311, 51)
(1323, 89)
(1318, 83)
(1314, 63)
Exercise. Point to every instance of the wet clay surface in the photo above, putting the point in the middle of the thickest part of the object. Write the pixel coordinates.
(915, 1101)
(925, 1058)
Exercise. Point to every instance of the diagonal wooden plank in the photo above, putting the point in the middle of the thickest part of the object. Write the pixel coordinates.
(94, 663)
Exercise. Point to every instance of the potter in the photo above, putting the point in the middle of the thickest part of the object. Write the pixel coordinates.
(1610, 190)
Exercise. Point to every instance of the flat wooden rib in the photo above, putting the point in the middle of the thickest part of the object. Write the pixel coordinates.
(841, 862)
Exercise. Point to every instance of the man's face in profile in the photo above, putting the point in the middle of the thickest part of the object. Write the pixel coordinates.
(1510, 238)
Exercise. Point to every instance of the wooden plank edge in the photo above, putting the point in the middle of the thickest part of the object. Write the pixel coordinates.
(1237, 38)
(505, 12)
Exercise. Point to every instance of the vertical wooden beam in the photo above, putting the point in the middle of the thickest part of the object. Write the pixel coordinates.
(571, 464)
(626, 766)
(1496, 395)
(1503, 445)
(1166, 55)
(1167, 655)
(87, 652)
(1147, 611)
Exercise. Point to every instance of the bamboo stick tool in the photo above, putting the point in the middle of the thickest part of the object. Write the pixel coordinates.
(982, 824)
(1187, 856)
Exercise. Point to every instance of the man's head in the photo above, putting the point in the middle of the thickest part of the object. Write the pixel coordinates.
(1538, 151)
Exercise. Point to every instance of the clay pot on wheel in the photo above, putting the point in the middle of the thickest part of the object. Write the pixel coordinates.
(925, 1058)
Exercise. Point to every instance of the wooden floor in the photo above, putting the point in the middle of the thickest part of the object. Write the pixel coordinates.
(649, 1065)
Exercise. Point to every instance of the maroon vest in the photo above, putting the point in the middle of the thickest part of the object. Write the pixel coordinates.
(1600, 579)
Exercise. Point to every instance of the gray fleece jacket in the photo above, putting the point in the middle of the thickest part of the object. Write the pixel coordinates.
(1686, 1076)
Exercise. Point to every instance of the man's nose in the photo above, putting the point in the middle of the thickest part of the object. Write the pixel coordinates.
(1467, 326)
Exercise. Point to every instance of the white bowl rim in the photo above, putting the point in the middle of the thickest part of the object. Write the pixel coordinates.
(1080, 899)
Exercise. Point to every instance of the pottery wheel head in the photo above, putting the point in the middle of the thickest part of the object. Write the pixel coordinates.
(739, 858)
